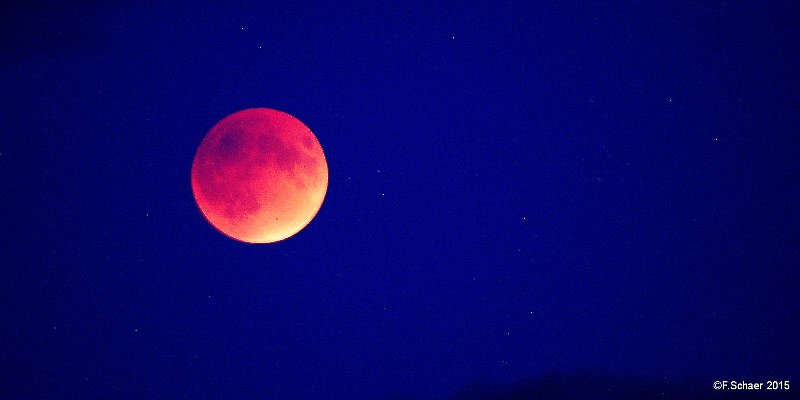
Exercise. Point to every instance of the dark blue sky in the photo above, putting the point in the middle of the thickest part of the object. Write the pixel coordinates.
(515, 190)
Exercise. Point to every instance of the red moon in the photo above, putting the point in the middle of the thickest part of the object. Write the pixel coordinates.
(259, 175)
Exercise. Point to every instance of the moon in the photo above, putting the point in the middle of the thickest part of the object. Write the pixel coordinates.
(259, 175)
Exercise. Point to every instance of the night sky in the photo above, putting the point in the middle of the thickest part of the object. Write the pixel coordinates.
(591, 195)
